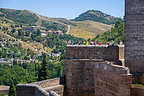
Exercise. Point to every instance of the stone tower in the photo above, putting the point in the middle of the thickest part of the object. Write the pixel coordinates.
(134, 36)
(95, 71)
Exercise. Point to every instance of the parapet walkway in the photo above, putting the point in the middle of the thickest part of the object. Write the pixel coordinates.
(49, 87)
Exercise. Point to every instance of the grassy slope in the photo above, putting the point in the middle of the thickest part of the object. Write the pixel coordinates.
(88, 29)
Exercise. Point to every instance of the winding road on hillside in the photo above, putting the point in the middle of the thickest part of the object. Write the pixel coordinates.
(69, 27)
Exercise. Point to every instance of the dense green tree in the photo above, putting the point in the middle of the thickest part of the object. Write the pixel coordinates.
(38, 32)
(13, 31)
(19, 73)
(43, 72)
(12, 89)
(20, 32)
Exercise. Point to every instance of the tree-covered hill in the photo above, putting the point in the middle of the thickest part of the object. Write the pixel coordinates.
(116, 33)
(29, 18)
(19, 16)
(97, 16)
(21, 52)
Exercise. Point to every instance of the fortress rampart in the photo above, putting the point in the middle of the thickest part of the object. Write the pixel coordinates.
(94, 52)
(134, 36)
(42, 88)
(93, 71)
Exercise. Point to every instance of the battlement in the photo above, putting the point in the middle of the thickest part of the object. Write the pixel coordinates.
(94, 52)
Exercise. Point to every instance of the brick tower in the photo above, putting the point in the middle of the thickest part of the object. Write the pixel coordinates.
(134, 36)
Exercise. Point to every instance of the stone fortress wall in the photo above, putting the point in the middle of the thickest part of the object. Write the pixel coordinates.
(92, 52)
(92, 71)
(134, 36)
(42, 88)
(137, 91)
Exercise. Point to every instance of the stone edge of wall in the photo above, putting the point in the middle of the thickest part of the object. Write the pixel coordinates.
(100, 63)
(57, 80)
(36, 88)
(137, 91)
(94, 46)
(111, 53)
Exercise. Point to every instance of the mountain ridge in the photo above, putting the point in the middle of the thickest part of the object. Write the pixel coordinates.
(98, 16)
(30, 18)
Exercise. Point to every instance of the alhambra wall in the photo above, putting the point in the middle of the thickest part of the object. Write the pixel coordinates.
(92, 71)
(92, 52)
(134, 36)
(42, 88)
(137, 91)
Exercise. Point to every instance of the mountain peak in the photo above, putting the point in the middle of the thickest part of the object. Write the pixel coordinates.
(96, 15)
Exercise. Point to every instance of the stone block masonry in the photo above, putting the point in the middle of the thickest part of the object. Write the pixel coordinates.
(91, 71)
(95, 78)
(42, 88)
(94, 52)
(134, 36)
(137, 91)
(30, 90)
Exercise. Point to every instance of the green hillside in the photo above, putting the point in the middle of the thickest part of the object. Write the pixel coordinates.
(29, 18)
(19, 16)
(82, 26)
(116, 33)
(97, 16)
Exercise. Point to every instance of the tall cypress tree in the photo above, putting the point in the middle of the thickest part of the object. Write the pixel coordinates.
(12, 89)
(43, 72)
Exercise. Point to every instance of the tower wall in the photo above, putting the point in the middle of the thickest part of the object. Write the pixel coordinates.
(91, 71)
(134, 35)
(94, 52)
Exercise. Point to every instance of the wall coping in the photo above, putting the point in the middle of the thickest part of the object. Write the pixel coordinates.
(37, 86)
(45, 93)
(100, 63)
(90, 60)
(39, 82)
(94, 46)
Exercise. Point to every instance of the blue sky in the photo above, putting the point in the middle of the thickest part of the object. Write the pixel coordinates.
(66, 8)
